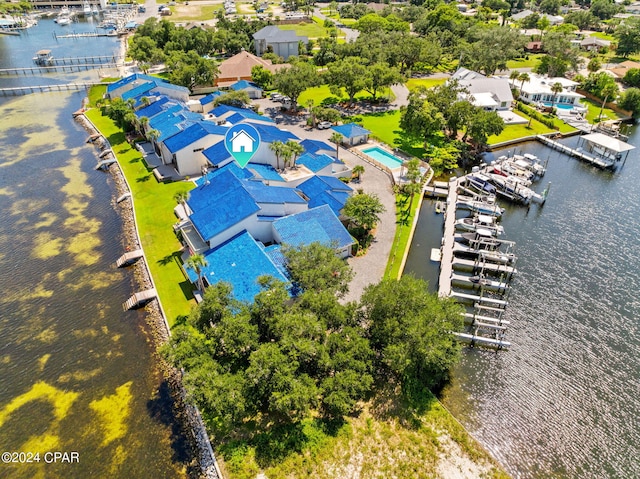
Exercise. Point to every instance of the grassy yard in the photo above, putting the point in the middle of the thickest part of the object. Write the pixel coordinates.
(312, 30)
(414, 83)
(386, 128)
(404, 220)
(154, 205)
(322, 94)
(193, 12)
(387, 439)
(529, 61)
(603, 36)
(594, 111)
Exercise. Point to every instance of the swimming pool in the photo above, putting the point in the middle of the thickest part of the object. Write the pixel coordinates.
(560, 106)
(384, 157)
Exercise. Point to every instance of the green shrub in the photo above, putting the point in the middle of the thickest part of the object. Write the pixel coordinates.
(545, 120)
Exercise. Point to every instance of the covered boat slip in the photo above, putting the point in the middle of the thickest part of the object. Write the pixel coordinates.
(606, 147)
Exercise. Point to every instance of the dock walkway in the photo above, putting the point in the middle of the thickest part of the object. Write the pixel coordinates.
(599, 162)
(448, 241)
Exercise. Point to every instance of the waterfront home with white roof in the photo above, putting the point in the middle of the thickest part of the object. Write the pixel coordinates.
(488, 93)
(538, 91)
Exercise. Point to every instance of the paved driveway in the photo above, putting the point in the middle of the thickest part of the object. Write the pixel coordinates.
(369, 268)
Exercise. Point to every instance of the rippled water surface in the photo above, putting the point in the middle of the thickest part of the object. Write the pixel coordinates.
(77, 373)
(564, 401)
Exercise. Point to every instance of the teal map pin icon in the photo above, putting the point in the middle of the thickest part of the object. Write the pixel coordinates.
(242, 142)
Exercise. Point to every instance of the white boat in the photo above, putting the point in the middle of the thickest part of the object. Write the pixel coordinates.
(505, 166)
(440, 207)
(484, 222)
(64, 17)
(94, 10)
(483, 207)
(488, 255)
(86, 9)
(511, 189)
(481, 239)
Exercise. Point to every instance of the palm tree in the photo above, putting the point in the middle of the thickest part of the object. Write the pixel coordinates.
(296, 150)
(181, 198)
(609, 91)
(513, 76)
(337, 139)
(358, 170)
(414, 176)
(287, 154)
(197, 263)
(278, 148)
(312, 112)
(523, 77)
(555, 89)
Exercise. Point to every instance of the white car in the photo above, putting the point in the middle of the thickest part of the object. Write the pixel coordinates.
(323, 125)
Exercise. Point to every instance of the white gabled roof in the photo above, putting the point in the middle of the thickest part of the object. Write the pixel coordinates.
(608, 142)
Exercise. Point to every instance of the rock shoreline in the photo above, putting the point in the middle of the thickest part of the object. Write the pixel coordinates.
(186, 415)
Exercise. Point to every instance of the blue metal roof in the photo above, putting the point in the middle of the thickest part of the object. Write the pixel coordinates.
(240, 173)
(239, 261)
(319, 190)
(242, 84)
(129, 79)
(192, 134)
(266, 172)
(350, 130)
(220, 204)
(138, 90)
(315, 225)
(153, 108)
(238, 114)
(314, 162)
(210, 97)
(217, 153)
(262, 193)
(168, 111)
(271, 133)
(313, 146)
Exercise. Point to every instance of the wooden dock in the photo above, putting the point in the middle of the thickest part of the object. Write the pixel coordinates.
(105, 163)
(446, 257)
(474, 340)
(25, 90)
(599, 162)
(129, 258)
(38, 70)
(139, 299)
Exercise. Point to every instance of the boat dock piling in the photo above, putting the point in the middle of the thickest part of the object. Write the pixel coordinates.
(599, 162)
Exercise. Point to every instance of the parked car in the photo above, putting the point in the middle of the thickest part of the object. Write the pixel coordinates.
(323, 125)
(275, 96)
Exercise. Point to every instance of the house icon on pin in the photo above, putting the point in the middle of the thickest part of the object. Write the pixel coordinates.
(242, 142)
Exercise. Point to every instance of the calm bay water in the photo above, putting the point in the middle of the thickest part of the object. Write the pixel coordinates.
(564, 401)
(78, 373)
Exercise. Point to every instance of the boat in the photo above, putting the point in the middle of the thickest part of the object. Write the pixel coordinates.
(485, 222)
(485, 207)
(511, 189)
(440, 207)
(482, 239)
(43, 58)
(64, 17)
(481, 281)
(94, 10)
(507, 167)
(481, 183)
(530, 162)
(436, 255)
(86, 9)
(491, 256)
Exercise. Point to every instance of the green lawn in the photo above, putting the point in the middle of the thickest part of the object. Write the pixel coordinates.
(312, 30)
(603, 36)
(203, 12)
(386, 128)
(414, 83)
(594, 111)
(529, 61)
(154, 205)
(404, 220)
(322, 94)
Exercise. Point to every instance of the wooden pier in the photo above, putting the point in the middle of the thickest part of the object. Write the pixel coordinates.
(97, 59)
(474, 340)
(599, 162)
(129, 258)
(25, 90)
(38, 70)
(446, 256)
(139, 299)
(105, 163)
